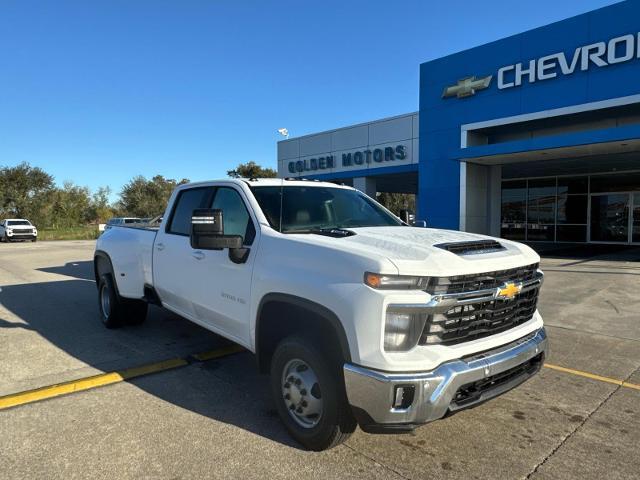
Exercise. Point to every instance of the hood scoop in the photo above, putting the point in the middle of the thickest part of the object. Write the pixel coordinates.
(475, 247)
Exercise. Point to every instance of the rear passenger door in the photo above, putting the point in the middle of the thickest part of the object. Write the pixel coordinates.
(173, 257)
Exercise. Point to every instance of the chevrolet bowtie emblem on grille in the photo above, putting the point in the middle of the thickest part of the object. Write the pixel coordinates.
(508, 291)
(467, 87)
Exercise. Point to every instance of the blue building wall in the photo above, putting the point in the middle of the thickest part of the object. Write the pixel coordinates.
(441, 118)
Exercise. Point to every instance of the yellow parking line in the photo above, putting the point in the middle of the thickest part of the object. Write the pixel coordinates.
(221, 352)
(88, 383)
(592, 376)
(100, 380)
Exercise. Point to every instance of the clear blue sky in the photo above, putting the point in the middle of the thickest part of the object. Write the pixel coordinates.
(99, 91)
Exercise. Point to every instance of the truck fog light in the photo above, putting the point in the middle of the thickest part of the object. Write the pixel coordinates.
(403, 327)
(403, 396)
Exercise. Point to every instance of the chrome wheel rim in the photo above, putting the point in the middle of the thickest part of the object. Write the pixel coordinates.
(301, 393)
(105, 301)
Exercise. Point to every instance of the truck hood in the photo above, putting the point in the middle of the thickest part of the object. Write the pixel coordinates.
(414, 252)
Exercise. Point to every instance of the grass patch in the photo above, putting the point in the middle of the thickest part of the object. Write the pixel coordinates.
(86, 232)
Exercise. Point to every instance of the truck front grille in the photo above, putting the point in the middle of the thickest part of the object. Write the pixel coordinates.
(473, 320)
(469, 283)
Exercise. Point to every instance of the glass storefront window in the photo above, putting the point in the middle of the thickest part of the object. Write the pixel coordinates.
(624, 182)
(610, 217)
(572, 209)
(596, 208)
(571, 185)
(571, 233)
(540, 233)
(516, 188)
(542, 187)
(513, 231)
(541, 209)
(514, 209)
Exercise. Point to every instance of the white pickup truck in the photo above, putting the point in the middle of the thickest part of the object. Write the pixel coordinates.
(17, 229)
(358, 317)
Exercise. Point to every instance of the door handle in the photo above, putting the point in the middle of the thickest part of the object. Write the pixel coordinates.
(198, 255)
(160, 246)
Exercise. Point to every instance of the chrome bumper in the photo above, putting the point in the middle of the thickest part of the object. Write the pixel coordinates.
(372, 393)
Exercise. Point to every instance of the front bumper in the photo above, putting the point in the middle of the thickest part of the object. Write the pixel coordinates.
(21, 235)
(451, 387)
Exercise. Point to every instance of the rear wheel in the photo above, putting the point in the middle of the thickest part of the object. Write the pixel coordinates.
(115, 311)
(308, 390)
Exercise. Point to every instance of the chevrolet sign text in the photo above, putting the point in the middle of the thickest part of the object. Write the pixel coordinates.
(601, 54)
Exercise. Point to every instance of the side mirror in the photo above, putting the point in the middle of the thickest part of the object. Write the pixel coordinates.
(420, 223)
(207, 231)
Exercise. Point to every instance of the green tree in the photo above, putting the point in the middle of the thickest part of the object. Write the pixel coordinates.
(24, 191)
(147, 198)
(397, 201)
(69, 205)
(251, 170)
(100, 210)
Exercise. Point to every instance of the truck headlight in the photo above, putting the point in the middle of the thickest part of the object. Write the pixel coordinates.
(395, 282)
(403, 327)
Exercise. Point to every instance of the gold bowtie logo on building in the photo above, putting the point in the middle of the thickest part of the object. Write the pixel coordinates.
(509, 290)
(467, 87)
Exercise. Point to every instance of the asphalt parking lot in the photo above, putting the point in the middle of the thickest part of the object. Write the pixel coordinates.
(214, 418)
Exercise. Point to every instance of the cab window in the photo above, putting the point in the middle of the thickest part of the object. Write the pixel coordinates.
(235, 214)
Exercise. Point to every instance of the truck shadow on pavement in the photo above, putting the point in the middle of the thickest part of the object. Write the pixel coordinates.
(63, 314)
(82, 270)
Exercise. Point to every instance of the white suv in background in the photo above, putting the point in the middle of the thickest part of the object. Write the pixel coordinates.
(17, 229)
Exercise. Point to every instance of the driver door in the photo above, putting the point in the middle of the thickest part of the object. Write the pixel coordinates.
(221, 289)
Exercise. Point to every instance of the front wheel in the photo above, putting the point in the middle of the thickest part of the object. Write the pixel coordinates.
(308, 390)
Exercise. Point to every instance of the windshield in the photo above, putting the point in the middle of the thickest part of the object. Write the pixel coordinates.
(14, 223)
(308, 209)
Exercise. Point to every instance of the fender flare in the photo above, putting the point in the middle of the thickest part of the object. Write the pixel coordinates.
(104, 255)
(308, 305)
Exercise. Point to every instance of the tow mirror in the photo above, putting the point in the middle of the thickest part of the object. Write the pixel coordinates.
(207, 231)
(420, 223)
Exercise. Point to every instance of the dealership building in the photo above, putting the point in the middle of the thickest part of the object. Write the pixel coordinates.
(533, 137)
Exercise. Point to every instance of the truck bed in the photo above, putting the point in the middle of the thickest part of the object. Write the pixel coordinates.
(131, 250)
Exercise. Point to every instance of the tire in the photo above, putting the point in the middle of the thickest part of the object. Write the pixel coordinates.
(34, 239)
(116, 311)
(295, 365)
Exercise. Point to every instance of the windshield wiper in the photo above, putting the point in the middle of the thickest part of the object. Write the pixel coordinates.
(330, 232)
